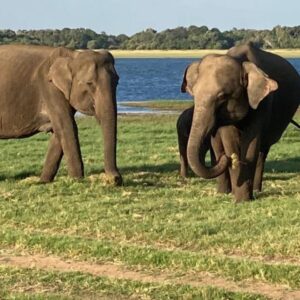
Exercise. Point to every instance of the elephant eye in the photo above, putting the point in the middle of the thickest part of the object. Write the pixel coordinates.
(222, 96)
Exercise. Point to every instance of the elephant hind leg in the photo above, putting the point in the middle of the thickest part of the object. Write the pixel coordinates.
(257, 184)
(52, 161)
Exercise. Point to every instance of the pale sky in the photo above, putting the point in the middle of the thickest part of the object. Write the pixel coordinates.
(131, 16)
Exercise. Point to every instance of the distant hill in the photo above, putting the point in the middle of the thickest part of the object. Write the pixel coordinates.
(192, 37)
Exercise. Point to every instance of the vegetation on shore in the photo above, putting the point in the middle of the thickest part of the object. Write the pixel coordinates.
(174, 105)
(183, 38)
(157, 225)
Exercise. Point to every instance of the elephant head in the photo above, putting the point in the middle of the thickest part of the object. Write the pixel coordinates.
(224, 90)
(88, 80)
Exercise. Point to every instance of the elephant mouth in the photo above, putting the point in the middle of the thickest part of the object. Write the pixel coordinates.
(227, 117)
(89, 111)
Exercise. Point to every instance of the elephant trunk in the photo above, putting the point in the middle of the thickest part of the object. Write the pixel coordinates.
(106, 115)
(203, 122)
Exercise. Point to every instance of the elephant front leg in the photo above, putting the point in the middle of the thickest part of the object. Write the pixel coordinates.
(68, 138)
(246, 170)
(223, 181)
(52, 161)
(241, 174)
(65, 130)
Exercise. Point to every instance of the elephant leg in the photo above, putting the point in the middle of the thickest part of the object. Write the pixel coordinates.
(223, 181)
(71, 149)
(243, 149)
(182, 143)
(183, 127)
(53, 159)
(262, 156)
(246, 169)
(183, 166)
(65, 129)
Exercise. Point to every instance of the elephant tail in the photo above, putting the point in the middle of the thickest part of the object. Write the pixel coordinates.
(295, 124)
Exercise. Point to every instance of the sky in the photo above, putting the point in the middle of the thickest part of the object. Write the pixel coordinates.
(131, 16)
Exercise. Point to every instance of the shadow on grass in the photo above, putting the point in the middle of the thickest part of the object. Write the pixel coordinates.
(290, 165)
(276, 167)
(19, 176)
(144, 175)
(280, 169)
(163, 168)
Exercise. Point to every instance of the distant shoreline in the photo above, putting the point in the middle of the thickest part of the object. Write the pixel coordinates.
(287, 53)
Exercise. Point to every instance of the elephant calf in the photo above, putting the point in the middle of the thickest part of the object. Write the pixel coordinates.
(41, 88)
(184, 124)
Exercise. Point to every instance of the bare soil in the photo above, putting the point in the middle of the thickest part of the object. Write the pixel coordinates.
(113, 271)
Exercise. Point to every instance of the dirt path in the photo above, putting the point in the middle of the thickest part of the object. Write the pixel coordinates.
(118, 272)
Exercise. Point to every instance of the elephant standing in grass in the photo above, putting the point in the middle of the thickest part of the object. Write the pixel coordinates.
(41, 88)
(250, 96)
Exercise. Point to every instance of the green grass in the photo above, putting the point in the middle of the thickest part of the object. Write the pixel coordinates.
(177, 105)
(157, 222)
(80, 285)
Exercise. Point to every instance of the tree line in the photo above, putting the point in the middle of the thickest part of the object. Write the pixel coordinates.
(192, 37)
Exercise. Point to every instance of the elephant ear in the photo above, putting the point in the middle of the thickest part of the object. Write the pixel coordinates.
(60, 75)
(259, 85)
(189, 78)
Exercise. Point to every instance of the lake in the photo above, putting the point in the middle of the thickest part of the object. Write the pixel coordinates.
(144, 79)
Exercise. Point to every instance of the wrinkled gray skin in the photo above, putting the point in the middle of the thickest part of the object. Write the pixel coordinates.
(41, 88)
(250, 96)
(184, 124)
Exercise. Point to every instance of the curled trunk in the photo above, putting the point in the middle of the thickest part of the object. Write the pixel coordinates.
(203, 122)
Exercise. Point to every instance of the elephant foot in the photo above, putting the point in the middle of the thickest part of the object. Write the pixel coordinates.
(112, 179)
(223, 190)
(257, 188)
(118, 180)
(45, 179)
(183, 173)
(241, 198)
(223, 184)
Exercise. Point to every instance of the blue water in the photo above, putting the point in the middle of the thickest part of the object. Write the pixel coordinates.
(150, 78)
(155, 78)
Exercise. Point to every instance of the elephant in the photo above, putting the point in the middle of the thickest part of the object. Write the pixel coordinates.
(41, 89)
(244, 100)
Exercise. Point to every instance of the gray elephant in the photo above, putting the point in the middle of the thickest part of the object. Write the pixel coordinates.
(251, 96)
(41, 88)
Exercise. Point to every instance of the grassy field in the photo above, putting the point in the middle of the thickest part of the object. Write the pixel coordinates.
(156, 237)
(288, 53)
(177, 105)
